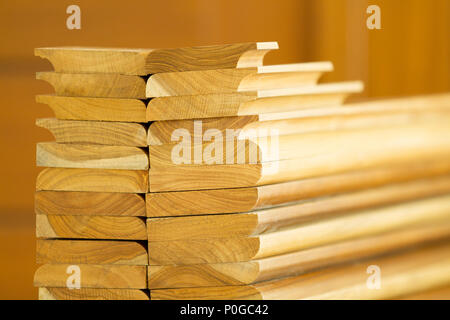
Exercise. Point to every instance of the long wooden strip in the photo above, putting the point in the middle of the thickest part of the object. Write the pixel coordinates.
(62, 155)
(96, 132)
(100, 109)
(269, 220)
(91, 294)
(91, 252)
(149, 61)
(359, 224)
(95, 85)
(401, 274)
(90, 227)
(183, 203)
(434, 294)
(391, 112)
(89, 203)
(92, 276)
(301, 262)
(235, 80)
(93, 180)
(318, 154)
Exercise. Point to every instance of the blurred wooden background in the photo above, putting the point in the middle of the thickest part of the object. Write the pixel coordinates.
(410, 55)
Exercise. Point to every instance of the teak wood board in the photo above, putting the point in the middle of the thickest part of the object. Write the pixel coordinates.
(402, 274)
(89, 203)
(161, 132)
(90, 227)
(185, 203)
(357, 224)
(93, 276)
(149, 61)
(235, 80)
(93, 180)
(316, 154)
(65, 155)
(95, 85)
(96, 132)
(296, 263)
(91, 294)
(270, 220)
(95, 109)
(91, 252)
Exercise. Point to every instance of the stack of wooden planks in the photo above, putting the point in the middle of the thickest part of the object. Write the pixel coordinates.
(200, 173)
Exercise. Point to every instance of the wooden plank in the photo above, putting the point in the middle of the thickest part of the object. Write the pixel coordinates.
(160, 132)
(93, 180)
(317, 154)
(182, 203)
(91, 252)
(357, 224)
(401, 274)
(235, 80)
(92, 276)
(100, 109)
(95, 85)
(95, 132)
(91, 294)
(61, 155)
(90, 227)
(292, 264)
(270, 220)
(89, 203)
(435, 294)
(149, 61)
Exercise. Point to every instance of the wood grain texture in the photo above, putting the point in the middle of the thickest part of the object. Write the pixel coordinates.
(62, 155)
(270, 220)
(357, 224)
(91, 294)
(93, 276)
(435, 294)
(90, 227)
(235, 80)
(296, 263)
(402, 274)
(220, 201)
(95, 85)
(91, 252)
(100, 109)
(148, 61)
(95, 132)
(89, 203)
(93, 180)
(317, 154)
(160, 132)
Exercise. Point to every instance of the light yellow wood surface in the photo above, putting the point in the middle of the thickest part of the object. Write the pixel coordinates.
(183, 203)
(435, 294)
(317, 154)
(62, 155)
(95, 85)
(90, 227)
(89, 203)
(390, 112)
(91, 252)
(91, 294)
(95, 132)
(96, 109)
(93, 180)
(235, 80)
(401, 274)
(296, 263)
(358, 224)
(148, 61)
(270, 220)
(93, 276)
